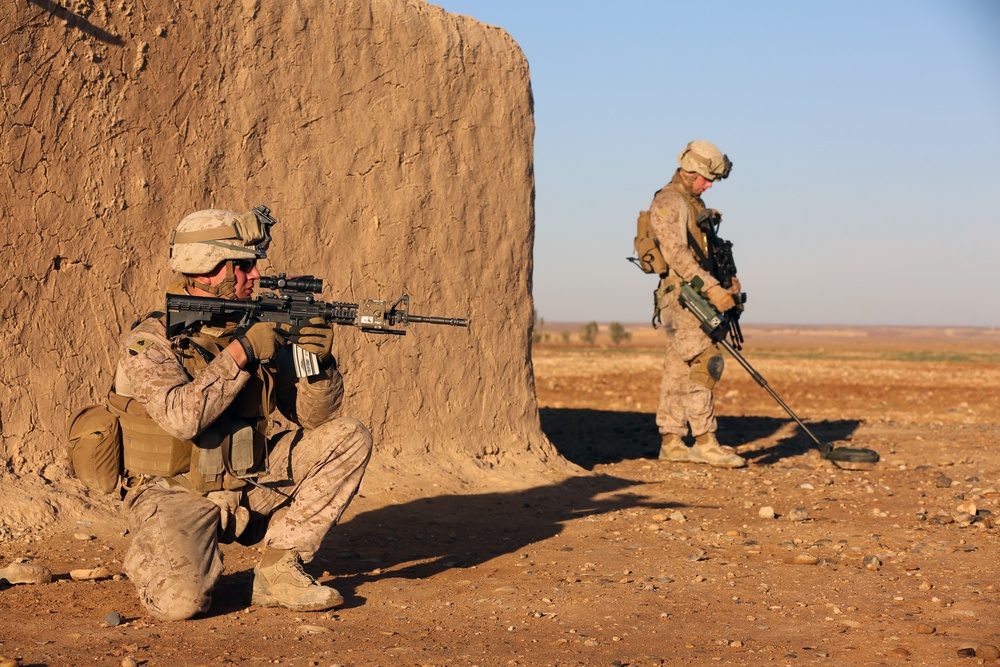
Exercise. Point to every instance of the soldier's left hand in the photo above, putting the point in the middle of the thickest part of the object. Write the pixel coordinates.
(233, 517)
(315, 336)
(720, 297)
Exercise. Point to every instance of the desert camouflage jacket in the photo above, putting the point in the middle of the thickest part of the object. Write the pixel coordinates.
(150, 369)
(672, 215)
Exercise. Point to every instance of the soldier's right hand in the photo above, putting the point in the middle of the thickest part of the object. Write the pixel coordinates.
(720, 297)
(261, 341)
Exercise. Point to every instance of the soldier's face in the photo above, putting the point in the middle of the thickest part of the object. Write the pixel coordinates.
(700, 184)
(245, 272)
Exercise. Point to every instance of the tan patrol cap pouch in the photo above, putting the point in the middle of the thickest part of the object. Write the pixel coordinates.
(94, 447)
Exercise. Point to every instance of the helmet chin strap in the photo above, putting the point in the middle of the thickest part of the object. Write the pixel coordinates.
(225, 290)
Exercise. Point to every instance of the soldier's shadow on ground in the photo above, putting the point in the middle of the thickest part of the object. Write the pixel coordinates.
(424, 537)
(593, 437)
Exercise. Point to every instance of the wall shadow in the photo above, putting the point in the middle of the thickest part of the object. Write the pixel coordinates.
(424, 537)
(592, 437)
(76, 21)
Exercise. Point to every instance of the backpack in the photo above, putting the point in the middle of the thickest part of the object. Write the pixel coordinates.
(647, 249)
(94, 446)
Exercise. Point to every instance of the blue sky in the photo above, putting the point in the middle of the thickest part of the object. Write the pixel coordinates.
(865, 138)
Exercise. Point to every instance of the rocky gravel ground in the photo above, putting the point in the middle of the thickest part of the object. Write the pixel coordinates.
(790, 561)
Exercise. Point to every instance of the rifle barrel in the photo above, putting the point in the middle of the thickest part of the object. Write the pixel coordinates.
(448, 321)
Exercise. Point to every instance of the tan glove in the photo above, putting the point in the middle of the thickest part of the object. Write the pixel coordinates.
(720, 297)
(261, 341)
(314, 336)
(233, 517)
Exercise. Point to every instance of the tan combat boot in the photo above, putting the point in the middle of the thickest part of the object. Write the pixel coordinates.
(673, 449)
(280, 581)
(708, 450)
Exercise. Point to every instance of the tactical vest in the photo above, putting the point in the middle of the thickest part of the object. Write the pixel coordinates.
(649, 257)
(225, 454)
(695, 206)
(696, 237)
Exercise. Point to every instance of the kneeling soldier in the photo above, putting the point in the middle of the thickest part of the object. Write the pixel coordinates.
(223, 442)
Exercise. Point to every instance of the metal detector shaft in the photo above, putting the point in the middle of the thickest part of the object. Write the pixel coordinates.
(714, 326)
(763, 383)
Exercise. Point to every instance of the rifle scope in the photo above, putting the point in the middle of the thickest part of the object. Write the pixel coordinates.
(298, 284)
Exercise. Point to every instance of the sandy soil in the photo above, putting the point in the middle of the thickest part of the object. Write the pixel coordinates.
(632, 562)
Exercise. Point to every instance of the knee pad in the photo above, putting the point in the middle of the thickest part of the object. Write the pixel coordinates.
(707, 367)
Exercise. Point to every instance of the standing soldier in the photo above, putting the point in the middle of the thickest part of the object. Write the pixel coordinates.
(221, 440)
(693, 362)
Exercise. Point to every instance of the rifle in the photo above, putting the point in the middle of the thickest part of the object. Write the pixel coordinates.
(293, 303)
(720, 263)
(716, 326)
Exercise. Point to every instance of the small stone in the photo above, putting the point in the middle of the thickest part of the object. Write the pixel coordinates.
(987, 652)
(26, 573)
(129, 661)
(313, 629)
(967, 508)
(964, 519)
(943, 482)
(798, 514)
(967, 652)
(802, 559)
(766, 513)
(94, 574)
(871, 562)
(924, 629)
(9, 662)
(678, 516)
(83, 537)
(113, 619)
(899, 652)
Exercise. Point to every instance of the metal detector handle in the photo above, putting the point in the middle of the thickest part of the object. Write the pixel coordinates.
(712, 324)
(824, 447)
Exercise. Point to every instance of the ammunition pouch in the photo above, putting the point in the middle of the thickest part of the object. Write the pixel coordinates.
(221, 458)
(147, 449)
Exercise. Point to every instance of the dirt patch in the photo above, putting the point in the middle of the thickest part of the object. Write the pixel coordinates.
(630, 562)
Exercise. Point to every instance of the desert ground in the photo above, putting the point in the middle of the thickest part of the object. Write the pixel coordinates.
(790, 561)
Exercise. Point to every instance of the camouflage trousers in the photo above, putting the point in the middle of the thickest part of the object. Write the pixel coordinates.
(175, 561)
(686, 398)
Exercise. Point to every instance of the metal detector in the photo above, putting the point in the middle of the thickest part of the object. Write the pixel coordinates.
(717, 326)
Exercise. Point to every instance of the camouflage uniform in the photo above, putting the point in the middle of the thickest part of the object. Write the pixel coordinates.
(313, 456)
(692, 363)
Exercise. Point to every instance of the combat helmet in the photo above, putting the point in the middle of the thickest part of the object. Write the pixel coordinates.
(205, 239)
(703, 158)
